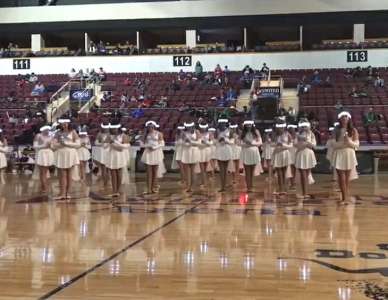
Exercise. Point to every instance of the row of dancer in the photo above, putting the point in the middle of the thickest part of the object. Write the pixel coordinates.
(62, 147)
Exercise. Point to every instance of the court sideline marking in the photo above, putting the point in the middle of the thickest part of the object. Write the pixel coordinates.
(114, 255)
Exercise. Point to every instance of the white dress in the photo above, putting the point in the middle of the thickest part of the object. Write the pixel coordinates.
(190, 148)
(330, 150)
(345, 154)
(250, 154)
(281, 157)
(3, 158)
(305, 156)
(84, 150)
(44, 155)
(205, 148)
(236, 147)
(153, 152)
(268, 148)
(100, 149)
(177, 154)
(223, 146)
(66, 154)
(116, 156)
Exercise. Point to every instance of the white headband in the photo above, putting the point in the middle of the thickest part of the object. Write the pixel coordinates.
(211, 129)
(292, 126)
(44, 128)
(283, 125)
(153, 123)
(233, 126)
(344, 114)
(249, 122)
(268, 130)
(1, 130)
(123, 129)
(104, 126)
(222, 121)
(331, 128)
(61, 121)
(114, 126)
(335, 124)
(181, 127)
(188, 124)
(82, 133)
(203, 126)
(304, 124)
(283, 118)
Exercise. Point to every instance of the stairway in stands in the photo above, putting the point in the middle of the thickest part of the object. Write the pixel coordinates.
(290, 98)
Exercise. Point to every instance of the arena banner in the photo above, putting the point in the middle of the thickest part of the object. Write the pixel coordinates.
(81, 94)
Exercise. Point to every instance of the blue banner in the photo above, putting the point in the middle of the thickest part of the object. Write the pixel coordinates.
(81, 95)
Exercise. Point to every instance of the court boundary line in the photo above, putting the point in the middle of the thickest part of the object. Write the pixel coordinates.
(116, 254)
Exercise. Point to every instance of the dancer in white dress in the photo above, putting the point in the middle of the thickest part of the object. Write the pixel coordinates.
(305, 157)
(268, 148)
(345, 160)
(177, 159)
(236, 150)
(281, 159)
(205, 149)
(330, 150)
(99, 152)
(84, 153)
(223, 151)
(65, 143)
(190, 153)
(292, 131)
(153, 143)
(116, 158)
(213, 158)
(124, 133)
(250, 155)
(3, 158)
(44, 155)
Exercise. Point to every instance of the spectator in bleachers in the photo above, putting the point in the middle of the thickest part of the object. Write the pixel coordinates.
(226, 70)
(101, 48)
(357, 72)
(247, 70)
(101, 74)
(198, 70)
(231, 95)
(348, 73)
(175, 86)
(106, 96)
(137, 113)
(264, 71)
(303, 87)
(356, 93)
(316, 79)
(38, 89)
(254, 103)
(162, 103)
(181, 75)
(128, 81)
(124, 98)
(73, 73)
(327, 83)
(370, 118)
(379, 82)
(217, 71)
(33, 78)
(133, 98)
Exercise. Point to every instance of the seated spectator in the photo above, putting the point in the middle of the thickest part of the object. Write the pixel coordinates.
(127, 81)
(148, 102)
(254, 103)
(92, 48)
(316, 79)
(217, 71)
(348, 73)
(175, 86)
(198, 70)
(357, 72)
(339, 107)
(106, 96)
(73, 73)
(38, 89)
(303, 87)
(124, 97)
(327, 83)
(162, 103)
(181, 75)
(231, 95)
(355, 93)
(379, 82)
(226, 70)
(371, 118)
(101, 74)
(133, 99)
(101, 49)
(33, 78)
(247, 70)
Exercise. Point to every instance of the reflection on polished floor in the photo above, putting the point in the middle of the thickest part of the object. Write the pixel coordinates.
(200, 246)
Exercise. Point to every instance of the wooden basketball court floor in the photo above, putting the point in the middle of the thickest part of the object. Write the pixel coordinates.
(200, 246)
